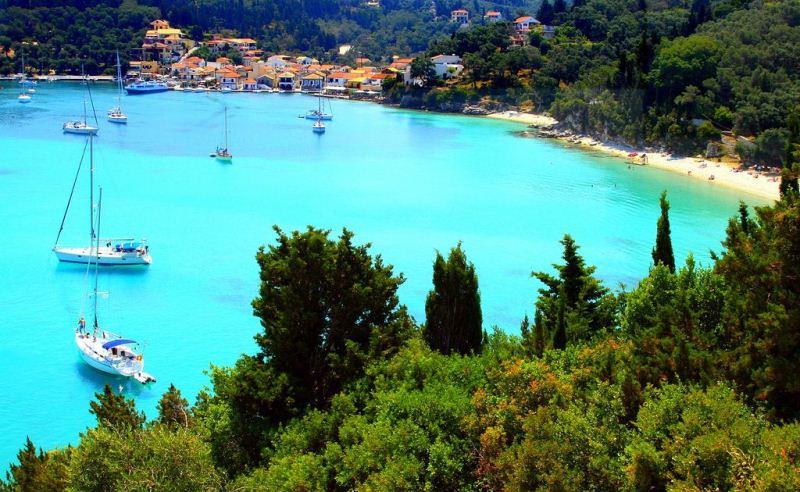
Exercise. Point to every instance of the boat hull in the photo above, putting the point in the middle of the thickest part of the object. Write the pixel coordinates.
(136, 92)
(81, 131)
(118, 119)
(24, 100)
(107, 257)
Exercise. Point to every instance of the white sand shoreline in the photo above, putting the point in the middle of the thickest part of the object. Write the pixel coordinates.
(724, 174)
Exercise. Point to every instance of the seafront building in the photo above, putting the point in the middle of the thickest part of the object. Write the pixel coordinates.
(167, 52)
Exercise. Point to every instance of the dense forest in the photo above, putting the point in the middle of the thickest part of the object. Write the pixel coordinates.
(686, 382)
(671, 74)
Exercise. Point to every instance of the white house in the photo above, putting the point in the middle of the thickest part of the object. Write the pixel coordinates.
(493, 16)
(447, 66)
(278, 62)
(460, 17)
(312, 82)
(525, 23)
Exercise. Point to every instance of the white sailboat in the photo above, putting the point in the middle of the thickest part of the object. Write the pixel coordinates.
(222, 154)
(108, 251)
(319, 113)
(103, 350)
(319, 126)
(81, 127)
(23, 97)
(115, 114)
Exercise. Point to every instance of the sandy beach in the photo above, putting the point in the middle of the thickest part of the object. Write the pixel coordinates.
(719, 173)
(540, 120)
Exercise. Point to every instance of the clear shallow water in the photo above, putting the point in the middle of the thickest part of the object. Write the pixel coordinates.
(409, 182)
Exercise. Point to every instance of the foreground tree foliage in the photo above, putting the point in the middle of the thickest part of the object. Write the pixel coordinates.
(327, 308)
(688, 383)
(453, 319)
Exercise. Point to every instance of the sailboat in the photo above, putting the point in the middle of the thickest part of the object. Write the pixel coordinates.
(221, 153)
(319, 126)
(101, 349)
(23, 97)
(113, 251)
(319, 113)
(81, 126)
(115, 114)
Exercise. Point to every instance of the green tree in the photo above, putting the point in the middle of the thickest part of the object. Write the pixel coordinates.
(422, 68)
(154, 459)
(761, 327)
(38, 471)
(545, 13)
(453, 308)
(662, 252)
(114, 411)
(173, 409)
(574, 305)
(327, 308)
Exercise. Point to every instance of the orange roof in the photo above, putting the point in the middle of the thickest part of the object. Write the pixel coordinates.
(492, 13)
(524, 18)
(250, 81)
(460, 11)
(194, 59)
(378, 76)
(228, 73)
(344, 75)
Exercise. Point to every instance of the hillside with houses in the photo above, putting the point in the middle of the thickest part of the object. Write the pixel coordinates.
(672, 74)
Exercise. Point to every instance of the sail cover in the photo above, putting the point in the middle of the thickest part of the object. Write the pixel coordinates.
(115, 343)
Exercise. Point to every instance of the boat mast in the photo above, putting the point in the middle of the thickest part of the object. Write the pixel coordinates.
(119, 83)
(226, 128)
(91, 188)
(97, 256)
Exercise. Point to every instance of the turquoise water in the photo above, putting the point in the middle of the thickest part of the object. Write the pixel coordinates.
(409, 182)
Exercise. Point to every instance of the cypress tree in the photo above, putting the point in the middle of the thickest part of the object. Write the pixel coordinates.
(453, 308)
(539, 341)
(560, 335)
(662, 253)
(545, 13)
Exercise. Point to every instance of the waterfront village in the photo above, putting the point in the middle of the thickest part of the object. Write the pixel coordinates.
(166, 52)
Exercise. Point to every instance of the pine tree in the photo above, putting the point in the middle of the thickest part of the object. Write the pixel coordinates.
(526, 336)
(173, 409)
(453, 308)
(38, 471)
(577, 293)
(560, 335)
(559, 6)
(115, 411)
(539, 336)
(545, 13)
(662, 252)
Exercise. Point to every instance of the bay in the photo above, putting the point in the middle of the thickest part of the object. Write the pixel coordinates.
(411, 183)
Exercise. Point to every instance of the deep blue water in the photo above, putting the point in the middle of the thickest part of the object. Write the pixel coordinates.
(409, 182)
